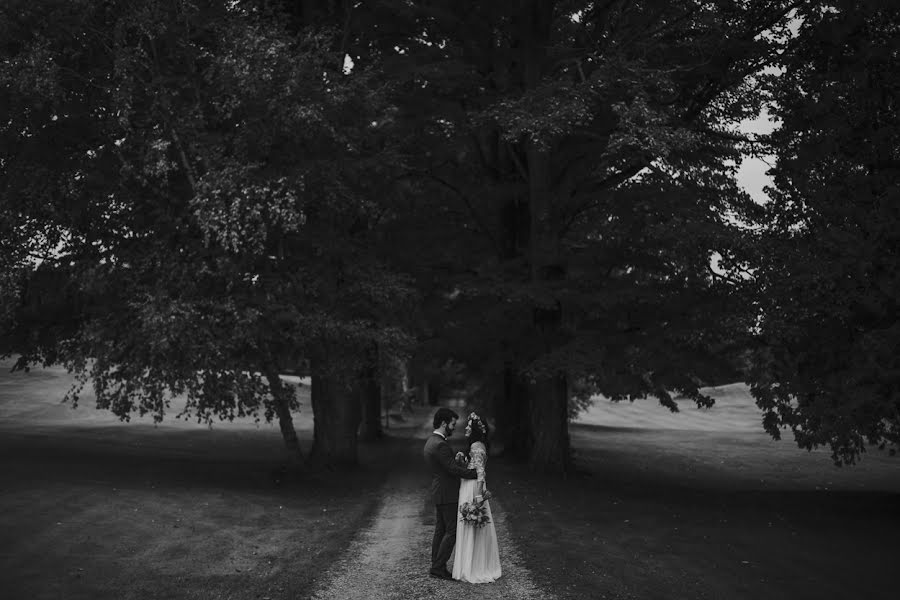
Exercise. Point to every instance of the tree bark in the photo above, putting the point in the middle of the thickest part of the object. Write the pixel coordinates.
(336, 410)
(422, 393)
(547, 394)
(371, 404)
(434, 393)
(417, 380)
(532, 415)
(392, 382)
(512, 415)
(548, 409)
(281, 397)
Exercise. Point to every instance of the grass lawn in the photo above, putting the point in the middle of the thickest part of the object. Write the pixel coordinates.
(701, 504)
(92, 508)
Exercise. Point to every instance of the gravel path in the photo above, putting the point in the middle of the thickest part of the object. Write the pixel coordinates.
(390, 559)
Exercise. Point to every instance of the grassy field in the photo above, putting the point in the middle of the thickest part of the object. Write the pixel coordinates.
(93, 508)
(698, 504)
(702, 504)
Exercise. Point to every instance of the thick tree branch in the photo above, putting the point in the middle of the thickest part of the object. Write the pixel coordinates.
(597, 187)
(136, 174)
(727, 135)
(188, 170)
(598, 184)
(520, 167)
(468, 202)
(722, 277)
(482, 155)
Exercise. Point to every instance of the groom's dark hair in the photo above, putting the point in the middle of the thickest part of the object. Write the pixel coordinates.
(444, 414)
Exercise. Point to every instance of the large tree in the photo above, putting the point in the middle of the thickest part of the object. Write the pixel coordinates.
(591, 147)
(198, 179)
(827, 267)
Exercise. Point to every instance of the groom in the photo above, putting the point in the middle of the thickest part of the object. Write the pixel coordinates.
(446, 474)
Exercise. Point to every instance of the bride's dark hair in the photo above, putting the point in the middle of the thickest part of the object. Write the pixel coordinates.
(478, 435)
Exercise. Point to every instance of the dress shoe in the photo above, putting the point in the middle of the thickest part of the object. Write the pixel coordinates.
(442, 574)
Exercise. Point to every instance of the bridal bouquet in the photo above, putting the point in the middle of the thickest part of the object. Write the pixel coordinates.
(475, 513)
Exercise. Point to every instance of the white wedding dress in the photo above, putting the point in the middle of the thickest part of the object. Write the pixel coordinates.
(476, 558)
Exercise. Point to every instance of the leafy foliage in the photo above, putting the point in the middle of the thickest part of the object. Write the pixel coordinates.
(630, 110)
(195, 175)
(533, 189)
(827, 364)
(570, 166)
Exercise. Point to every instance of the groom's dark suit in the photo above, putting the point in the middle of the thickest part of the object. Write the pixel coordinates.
(445, 494)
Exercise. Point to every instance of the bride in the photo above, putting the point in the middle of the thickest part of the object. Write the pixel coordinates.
(477, 557)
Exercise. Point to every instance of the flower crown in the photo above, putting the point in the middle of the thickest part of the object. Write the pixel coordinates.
(474, 418)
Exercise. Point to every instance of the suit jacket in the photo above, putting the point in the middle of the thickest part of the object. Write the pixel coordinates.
(444, 470)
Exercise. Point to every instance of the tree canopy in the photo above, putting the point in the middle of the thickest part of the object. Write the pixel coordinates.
(197, 178)
(591, 149)
(827, 361)
(198, 196)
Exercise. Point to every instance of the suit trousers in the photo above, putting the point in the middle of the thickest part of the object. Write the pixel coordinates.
(444, 535)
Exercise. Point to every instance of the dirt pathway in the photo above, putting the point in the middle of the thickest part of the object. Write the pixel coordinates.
(390, 559)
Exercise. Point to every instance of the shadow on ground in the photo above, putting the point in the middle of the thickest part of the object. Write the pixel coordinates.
(656, 514)
(132, 511)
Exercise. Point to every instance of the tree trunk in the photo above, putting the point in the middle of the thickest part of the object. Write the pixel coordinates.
(511, 415)
(336, 410)
(417, 380)
(546, 398)
(371, 405)
(392, 383)
(535, 413)
(422, 393)
(548, 403)
(547, 394)
(434, 393)
(282, 396)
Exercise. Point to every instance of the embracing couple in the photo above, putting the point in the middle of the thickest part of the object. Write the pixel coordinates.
(471, 530)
